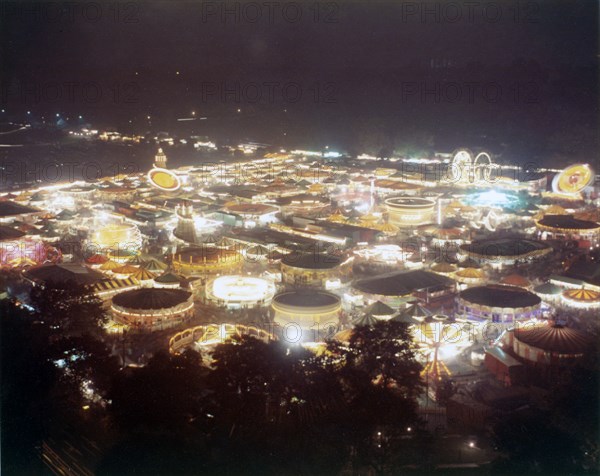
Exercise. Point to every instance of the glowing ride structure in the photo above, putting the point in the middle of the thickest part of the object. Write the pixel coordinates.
(469, 169)
(209, 335)
(153, 308)
(162, 178)
(439, 339)
(504, 251)
(573, 179)
(304, 315)
(410, 211)
(116, 236)
(235, 292)
(498, 304)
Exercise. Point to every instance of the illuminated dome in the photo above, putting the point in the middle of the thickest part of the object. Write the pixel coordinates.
(409, 211)
(153, 308)
(306, 312)
(206, 260)
(498, 303)
(312, 269)
(566, 224)
(121, 236)
(240, 291)
(251, 209)
(516, 280)
(469, 275)
(443, 268)
(548, 343)
(504, 251)
(585, 298)
(311, 260)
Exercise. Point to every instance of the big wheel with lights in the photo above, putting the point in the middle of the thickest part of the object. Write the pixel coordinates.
(482, 167)
(461, 166)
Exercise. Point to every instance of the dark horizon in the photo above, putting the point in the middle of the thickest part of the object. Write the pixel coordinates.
(524, 75)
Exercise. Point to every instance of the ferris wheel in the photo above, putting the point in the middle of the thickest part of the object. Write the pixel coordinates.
(468, 168)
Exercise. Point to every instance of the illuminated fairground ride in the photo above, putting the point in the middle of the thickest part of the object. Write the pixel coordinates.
(573, 179)
(162, 178)
(235, 292)
(27, 252)
(210, 335)
(116, 236)
(440, 338)
(468, 169)
(490, 222)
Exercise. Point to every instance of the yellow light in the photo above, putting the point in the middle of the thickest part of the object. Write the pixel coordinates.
(164, 179)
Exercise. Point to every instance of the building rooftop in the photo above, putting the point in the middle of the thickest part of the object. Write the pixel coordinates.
(402, 283)
(151, 298)
(495, 295)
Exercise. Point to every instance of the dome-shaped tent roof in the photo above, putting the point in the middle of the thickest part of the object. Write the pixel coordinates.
(548, 289)
(554, 338)
(516, 280)
(581, 295)
(151, 298)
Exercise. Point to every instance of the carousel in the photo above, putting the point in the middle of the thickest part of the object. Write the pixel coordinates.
(152, 309)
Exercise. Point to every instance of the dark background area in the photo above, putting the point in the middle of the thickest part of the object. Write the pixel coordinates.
(370, 75)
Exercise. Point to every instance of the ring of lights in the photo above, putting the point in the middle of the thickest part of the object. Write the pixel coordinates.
(573, 179)
(409, 211)
(240, 291)
(306, 310)
(164, 179)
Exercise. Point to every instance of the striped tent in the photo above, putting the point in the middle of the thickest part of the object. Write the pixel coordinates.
(413, 314)
(109, 265)
(379, 310)
(114, 285)
(143, 275)
(364, 320)
(153, 265)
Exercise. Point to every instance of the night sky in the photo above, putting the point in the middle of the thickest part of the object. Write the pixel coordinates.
(352, 61)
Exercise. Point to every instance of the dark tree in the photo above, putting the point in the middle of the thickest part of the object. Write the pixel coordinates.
(276, 408)
(385, 352)
(530, 443)
(27, 380)
(381, 381)
(68, 308)
(164, 394)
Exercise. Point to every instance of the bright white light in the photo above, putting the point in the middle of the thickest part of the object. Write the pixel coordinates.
(242, 290)
(61, 201)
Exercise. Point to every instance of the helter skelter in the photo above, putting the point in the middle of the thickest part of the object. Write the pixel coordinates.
(439, 339)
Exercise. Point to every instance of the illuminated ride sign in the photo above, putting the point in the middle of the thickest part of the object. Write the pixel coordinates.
(164, 179)
(573, 179)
